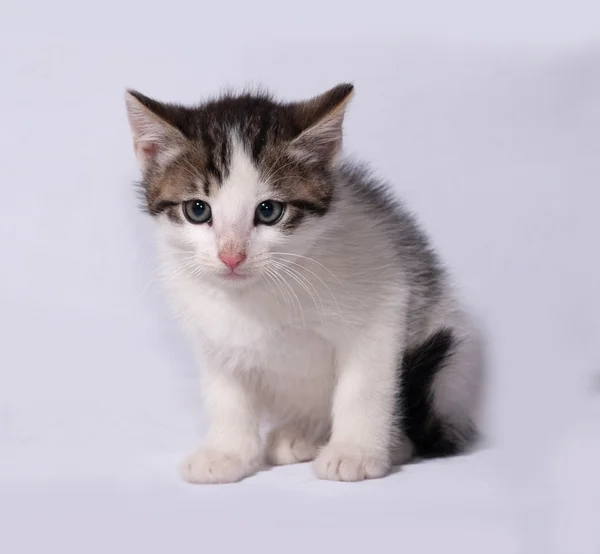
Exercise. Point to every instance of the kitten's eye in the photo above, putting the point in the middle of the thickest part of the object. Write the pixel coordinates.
(269, 212)
(197, 211)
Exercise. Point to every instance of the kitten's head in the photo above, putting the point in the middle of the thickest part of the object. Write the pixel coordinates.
(238, 183)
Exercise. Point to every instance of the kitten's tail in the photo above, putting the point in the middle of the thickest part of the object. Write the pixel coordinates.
(431, 435)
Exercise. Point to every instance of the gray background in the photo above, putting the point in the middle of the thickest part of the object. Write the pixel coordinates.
(484, 116)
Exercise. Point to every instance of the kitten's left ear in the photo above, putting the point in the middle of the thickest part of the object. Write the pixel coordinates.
(321, 119)
(156, 138)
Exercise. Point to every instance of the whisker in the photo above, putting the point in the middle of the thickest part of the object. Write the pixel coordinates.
(308, 258)
(287, 297)
(294, 296)
(272, 280)
(305, 284)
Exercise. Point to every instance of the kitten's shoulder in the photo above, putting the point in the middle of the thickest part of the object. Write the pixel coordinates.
(375, 195)
(359, 179)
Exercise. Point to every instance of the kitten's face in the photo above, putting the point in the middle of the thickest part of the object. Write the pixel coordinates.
(236, 229)
(241, 186)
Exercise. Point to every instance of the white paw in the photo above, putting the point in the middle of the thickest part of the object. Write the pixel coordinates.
(208, 465)
(289, 446)
(347, 462)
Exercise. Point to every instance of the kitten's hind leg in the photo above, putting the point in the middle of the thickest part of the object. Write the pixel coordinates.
(293, 444)
(402, 450)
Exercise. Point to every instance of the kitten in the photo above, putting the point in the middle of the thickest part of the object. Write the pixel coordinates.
(313, 298)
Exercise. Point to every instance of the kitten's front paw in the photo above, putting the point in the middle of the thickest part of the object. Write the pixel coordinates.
(208, 465)
(347, 462)
(289, 446)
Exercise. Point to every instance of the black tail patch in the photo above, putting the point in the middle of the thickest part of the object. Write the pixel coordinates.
(431, 436)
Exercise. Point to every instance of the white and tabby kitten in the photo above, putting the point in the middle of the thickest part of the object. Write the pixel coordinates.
(312, 297)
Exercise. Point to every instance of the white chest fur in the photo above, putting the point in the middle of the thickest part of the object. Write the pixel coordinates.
(263, 336)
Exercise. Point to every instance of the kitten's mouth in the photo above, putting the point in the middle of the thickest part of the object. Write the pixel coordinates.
(233, 276)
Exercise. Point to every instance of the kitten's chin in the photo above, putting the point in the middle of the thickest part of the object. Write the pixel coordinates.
(227, 280)
(234, 280)
(235, 277)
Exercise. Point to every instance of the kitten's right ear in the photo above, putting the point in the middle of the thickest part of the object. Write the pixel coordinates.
(155, 140)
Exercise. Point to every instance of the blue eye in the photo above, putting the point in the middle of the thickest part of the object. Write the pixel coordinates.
(197, 211)
(269, 212)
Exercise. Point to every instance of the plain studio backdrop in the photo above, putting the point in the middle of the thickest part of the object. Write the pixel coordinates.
(486, 119)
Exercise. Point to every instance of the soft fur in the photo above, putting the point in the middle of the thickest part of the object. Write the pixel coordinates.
(338, 328)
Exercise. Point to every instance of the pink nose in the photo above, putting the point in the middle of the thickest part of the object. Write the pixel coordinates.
(232, 260)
